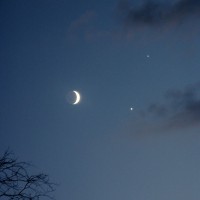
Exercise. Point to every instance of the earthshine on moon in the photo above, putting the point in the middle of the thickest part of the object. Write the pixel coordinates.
(78, 97)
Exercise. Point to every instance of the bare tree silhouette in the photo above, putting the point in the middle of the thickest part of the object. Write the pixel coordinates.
(17, 184)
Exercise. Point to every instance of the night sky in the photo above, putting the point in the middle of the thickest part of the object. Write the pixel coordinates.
(119, 55)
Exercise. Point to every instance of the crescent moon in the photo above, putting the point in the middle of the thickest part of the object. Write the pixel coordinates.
(78, 97)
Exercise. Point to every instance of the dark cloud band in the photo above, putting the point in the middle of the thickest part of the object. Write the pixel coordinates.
(180, 109)
(153, 13)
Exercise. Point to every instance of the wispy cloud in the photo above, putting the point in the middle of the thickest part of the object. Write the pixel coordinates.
(154, 13)
(82, 26)
(86, 27)
(82, 21)
(180, 109)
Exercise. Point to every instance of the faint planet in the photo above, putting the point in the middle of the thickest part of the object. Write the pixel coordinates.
(148, 56)
(73, 97)
(131, 109)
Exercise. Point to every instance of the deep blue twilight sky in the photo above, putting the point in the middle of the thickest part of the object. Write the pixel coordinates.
(118, 55)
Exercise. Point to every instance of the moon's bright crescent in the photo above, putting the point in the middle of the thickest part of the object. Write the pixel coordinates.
(78, 97)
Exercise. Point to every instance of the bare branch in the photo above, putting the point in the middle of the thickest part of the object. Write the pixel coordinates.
(17, 184)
